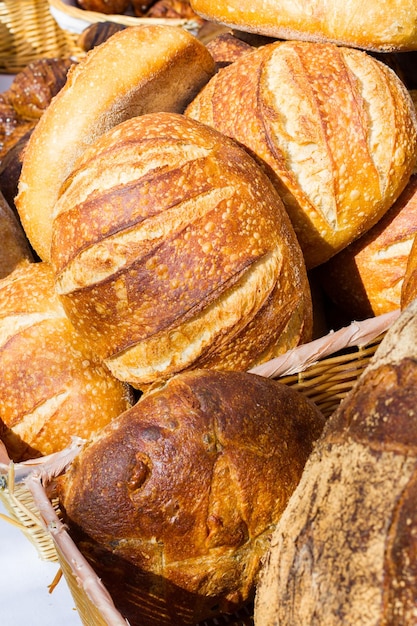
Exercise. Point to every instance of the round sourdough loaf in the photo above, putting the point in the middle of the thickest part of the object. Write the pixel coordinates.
(175, 501)
(137, 70)
(334, 128)
(171, 249)
(366, 278)
(386, 25)
(51, 385)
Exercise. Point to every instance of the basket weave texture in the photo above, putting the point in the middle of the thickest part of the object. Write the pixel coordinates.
(28, 32)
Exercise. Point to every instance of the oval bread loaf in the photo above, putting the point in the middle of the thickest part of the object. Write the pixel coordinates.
(344, 549)
(51, 385)
(139, 69)
(334, 128)
(386, 25)
(171, 249)
(175, 501)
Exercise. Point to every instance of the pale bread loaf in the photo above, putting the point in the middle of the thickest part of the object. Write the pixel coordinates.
(137, 70)
(334, 128)
(172, 250)
(385, 25)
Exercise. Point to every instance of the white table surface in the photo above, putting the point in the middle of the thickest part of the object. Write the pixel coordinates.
(24, 579)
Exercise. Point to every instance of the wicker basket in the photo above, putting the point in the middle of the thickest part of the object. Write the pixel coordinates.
(72, 18)
(29, 32)
(325, 370)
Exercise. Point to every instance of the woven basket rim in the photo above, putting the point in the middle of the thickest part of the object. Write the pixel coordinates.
(72, 11)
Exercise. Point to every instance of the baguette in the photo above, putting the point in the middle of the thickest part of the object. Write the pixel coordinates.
(137, 70)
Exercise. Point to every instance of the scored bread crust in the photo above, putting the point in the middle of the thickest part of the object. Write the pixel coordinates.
(334, 128)
(52, 387)
(386, 25)
(138, 70)
(171, 249)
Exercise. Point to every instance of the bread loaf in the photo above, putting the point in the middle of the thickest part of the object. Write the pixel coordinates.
(137, 70)
(15, 247)
(366, 278)
(374, 25)
(51, 386)
(344, 549)
(334, 128)
(171, 250)
(175, 501)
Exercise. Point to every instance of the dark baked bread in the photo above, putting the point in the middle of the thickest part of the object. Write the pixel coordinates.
(172, 250)
(344, 549)
(51, 385)
(334, 128)
(15, 248)
(175, 501)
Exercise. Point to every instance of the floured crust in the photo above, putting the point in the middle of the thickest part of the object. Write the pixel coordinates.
(387, 26)
(139, 69)
(335, 130)
(172, 250)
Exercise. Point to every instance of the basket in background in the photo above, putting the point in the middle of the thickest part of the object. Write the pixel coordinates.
(325, 370)
(28, 32)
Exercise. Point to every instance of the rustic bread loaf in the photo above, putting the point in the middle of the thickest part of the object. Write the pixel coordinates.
(51, 386)
(373, 25)
(334, 128)
(171, 249)
(137, 70)
(366, 278)
(175, 501)
(344, 549)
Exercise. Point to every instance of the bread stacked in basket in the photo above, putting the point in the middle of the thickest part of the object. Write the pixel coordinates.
(180, 203)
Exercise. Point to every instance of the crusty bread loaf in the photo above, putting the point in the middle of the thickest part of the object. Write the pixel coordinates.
(171, 249)
(137, 70)
(373, 25)
(344, 549)
(15, 247)
(51, 386)
(366, 278)
(335, 129)
(177, 498)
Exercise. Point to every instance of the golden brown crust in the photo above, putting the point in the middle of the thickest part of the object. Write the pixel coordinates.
(172, 250)
(311, 113)
(366, 278)
(187, 487)
(226, 48)
(51, 386)
(351, 523)
(387, 26)
(409, 286)
(104, 6)
(137, 70)
(34, 87)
